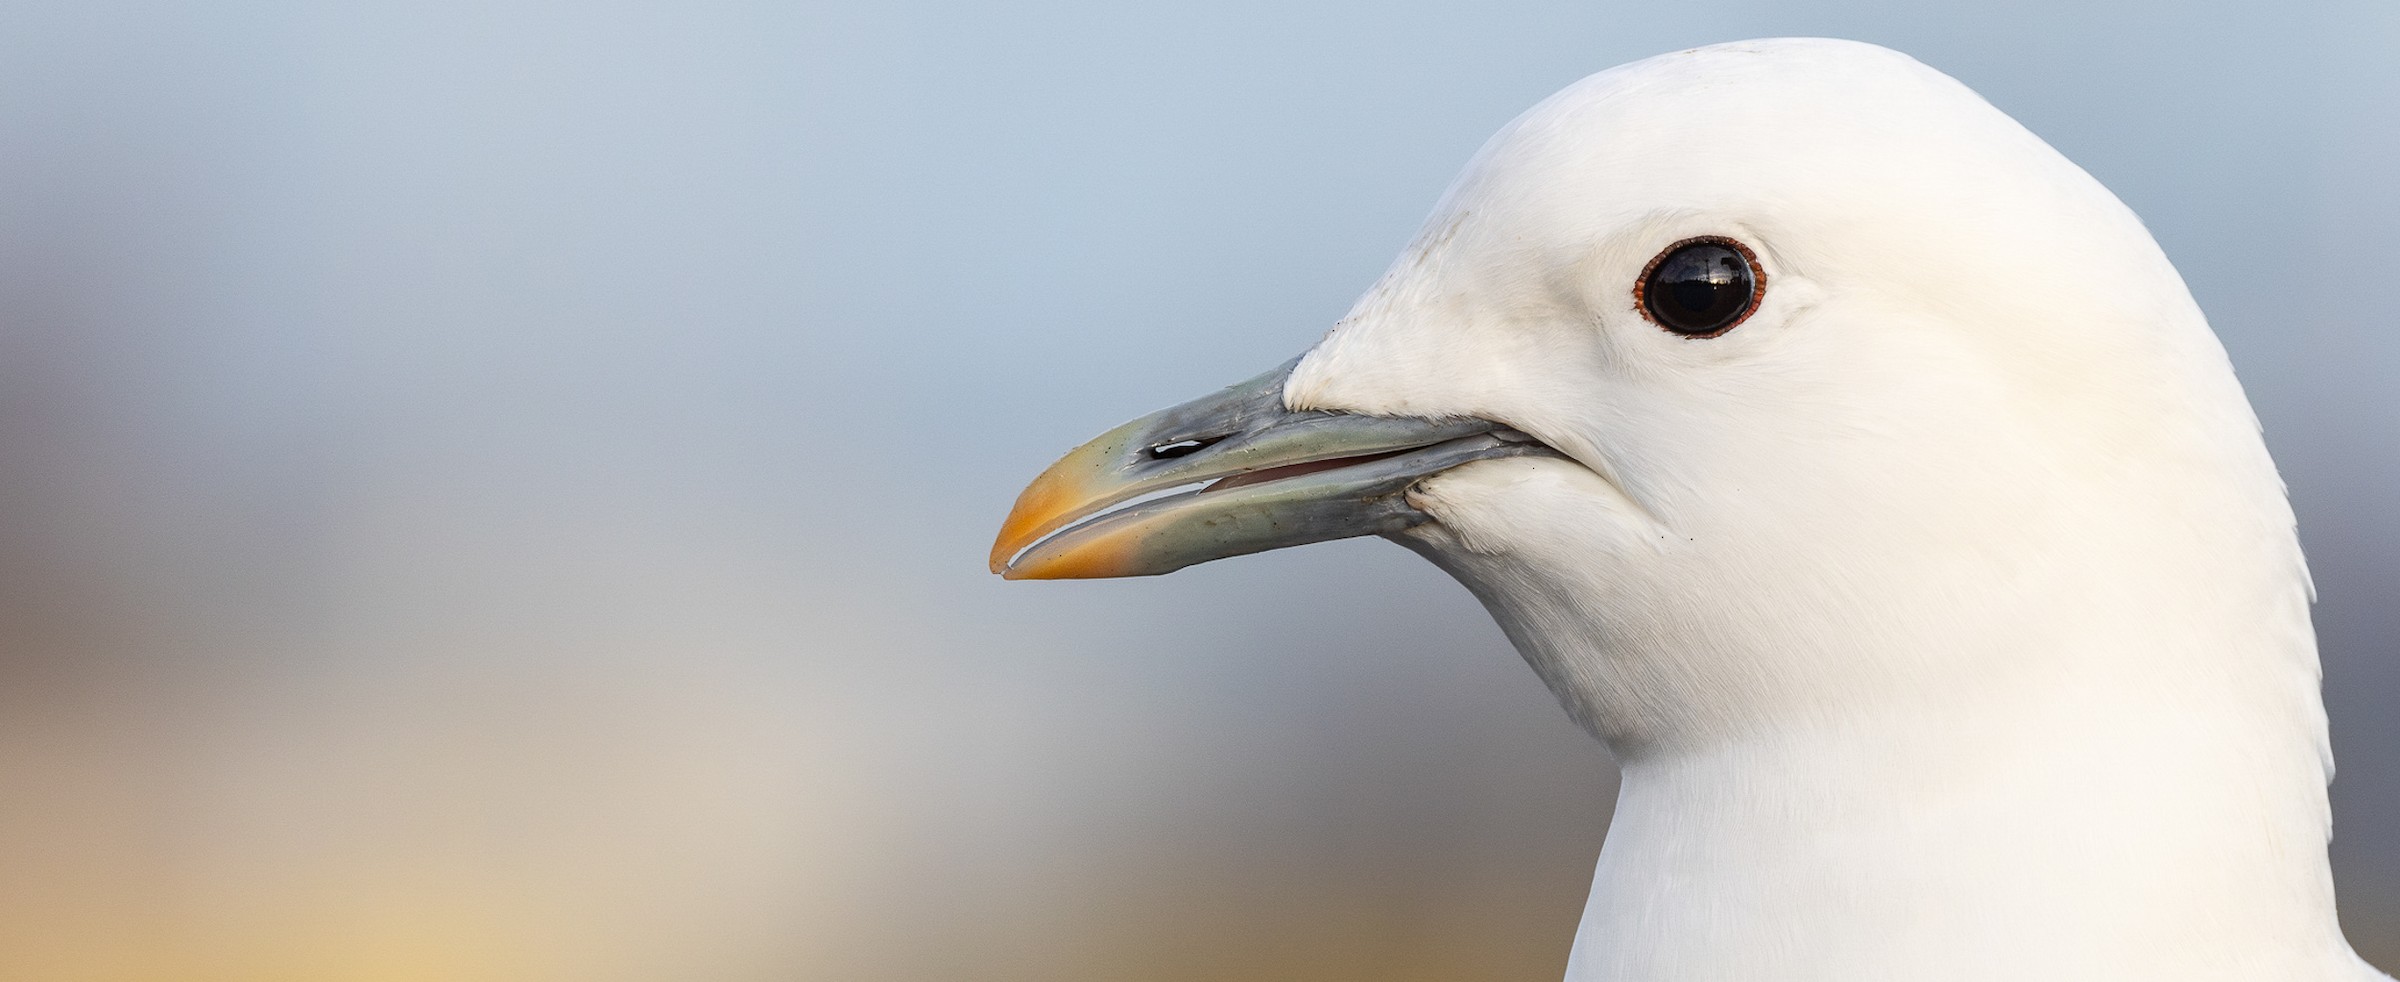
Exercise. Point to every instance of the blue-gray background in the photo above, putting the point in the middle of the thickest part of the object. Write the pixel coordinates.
(499, 490)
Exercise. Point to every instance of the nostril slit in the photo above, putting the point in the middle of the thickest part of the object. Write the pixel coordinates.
(1178, 448)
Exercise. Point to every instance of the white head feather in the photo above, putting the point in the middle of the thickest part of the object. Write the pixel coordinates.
(1946, 615)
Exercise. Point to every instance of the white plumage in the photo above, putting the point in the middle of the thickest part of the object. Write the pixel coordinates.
(1945, 615)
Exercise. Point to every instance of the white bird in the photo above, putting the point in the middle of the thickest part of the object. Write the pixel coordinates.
(1860, 472)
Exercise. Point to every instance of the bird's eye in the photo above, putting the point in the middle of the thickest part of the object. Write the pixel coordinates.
(1700, 288)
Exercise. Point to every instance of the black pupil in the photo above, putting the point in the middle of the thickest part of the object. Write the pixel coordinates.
(1699, 289)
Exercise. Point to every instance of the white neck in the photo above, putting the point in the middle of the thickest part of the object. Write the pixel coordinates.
(2071, 836)
(2133, 791)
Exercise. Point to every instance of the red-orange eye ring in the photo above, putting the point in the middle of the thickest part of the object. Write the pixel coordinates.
(1700, 287)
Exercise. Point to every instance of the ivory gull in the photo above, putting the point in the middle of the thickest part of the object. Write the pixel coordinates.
(1859, 471)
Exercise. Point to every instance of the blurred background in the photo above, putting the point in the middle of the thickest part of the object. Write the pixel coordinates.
(499, 490)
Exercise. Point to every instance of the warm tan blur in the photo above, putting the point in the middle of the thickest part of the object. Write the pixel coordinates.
(494, 491)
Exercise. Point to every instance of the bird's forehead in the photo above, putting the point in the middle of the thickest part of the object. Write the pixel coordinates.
(1850, 169)
(1792, 124)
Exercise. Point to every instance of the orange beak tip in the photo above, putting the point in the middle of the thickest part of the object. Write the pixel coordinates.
(1052, 500)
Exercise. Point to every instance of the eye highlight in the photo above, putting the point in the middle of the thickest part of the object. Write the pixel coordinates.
(1700, 287)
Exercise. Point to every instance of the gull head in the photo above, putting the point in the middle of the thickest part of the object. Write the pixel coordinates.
(1766, 384)
(1860, 471)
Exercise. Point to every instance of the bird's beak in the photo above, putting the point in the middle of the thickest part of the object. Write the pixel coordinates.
(1280, 478)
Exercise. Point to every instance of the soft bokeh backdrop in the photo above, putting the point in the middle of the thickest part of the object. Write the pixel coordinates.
(498, 490)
